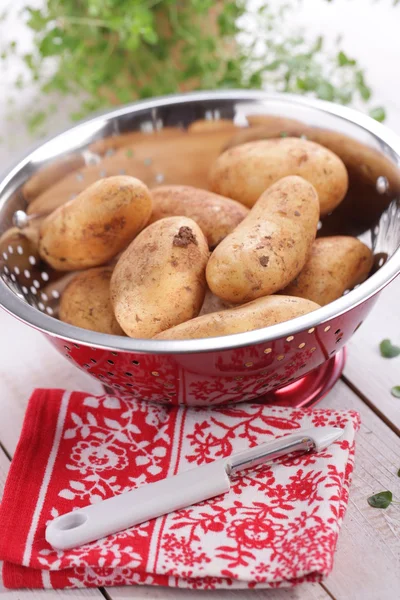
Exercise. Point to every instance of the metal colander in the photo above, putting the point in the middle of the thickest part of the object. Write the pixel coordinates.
(174, 140)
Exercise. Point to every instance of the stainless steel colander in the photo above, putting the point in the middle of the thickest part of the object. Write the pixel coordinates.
(207, 371)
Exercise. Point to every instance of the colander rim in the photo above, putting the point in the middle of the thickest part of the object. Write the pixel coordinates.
(55, 328)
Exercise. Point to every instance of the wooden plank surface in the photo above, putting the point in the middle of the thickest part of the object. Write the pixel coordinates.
(307, 592)
(368, 554)
(365, 369)
(29, 361)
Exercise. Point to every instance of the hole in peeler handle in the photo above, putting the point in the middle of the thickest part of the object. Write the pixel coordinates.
(71, 521)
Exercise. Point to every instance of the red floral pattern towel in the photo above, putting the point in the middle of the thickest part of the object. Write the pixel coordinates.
(277, 526)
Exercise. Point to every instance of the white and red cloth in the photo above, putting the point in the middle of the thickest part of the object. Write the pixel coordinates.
(277, 526)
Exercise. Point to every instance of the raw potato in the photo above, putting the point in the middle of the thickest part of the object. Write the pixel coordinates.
(159, 281)
(93, 227)
(245, 171)
(336, 264)
(215, 215)
(254, 315)
(86, 302)
(270, 247)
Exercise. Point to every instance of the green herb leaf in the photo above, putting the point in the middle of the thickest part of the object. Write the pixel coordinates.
(344, 60)
(378, 113)
(395, 391)
(388, 350)
(380, 500)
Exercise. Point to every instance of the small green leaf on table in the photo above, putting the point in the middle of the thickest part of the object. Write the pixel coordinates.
(395, 391)
(381, 500)
(388, 350)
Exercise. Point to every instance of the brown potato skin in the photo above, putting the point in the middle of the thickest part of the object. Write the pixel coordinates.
(336, 264)
(270, 247)
(86, 302)
(247, 317)
(159, 281)
(215, 215)
(244, 172)
(93, 227)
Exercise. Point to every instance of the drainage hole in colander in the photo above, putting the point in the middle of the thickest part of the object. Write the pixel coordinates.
(337, 331)
(110, 362)
(67, 348)
(44, 296)
(338, 340)
(129, 384)
(93, 360)
(311, 330)
(41, 306)
(155, 374)
(49, 310)
(280, 357)
(114, 353)
(135, 362)
(327, 328)
(44, 276)
(290, 338)
(128, 374)
(303, 366)
(24, 289)
(16, 270)
(13, 278)
(68, 356)
(27, 273)
(20, 250)
(248, 364)
(32, 260)
(77, 346)
(55, 294)
(267, 350)
(32, 288)
(86, 366)
(301, 345)
(10, 250)
(110, 374)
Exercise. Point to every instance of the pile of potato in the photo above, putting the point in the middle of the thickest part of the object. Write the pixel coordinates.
(182, 262)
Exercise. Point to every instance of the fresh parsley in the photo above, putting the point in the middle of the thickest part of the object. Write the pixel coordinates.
(112, 52)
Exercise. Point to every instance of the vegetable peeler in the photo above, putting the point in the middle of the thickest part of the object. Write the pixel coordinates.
(153, 500)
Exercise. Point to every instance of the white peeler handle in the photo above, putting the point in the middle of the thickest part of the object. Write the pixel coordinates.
(146, 502)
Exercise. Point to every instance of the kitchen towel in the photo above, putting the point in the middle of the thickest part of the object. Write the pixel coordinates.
(277, 526)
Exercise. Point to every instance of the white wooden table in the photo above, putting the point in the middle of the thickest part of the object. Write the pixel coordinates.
(367, 562)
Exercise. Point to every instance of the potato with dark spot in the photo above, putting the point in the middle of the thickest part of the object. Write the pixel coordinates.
(246, 171)
(336, 264)
(270, 247)
(93, 227)
(215, 215)
(159, 281)
(86, 302)
(260, 313)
